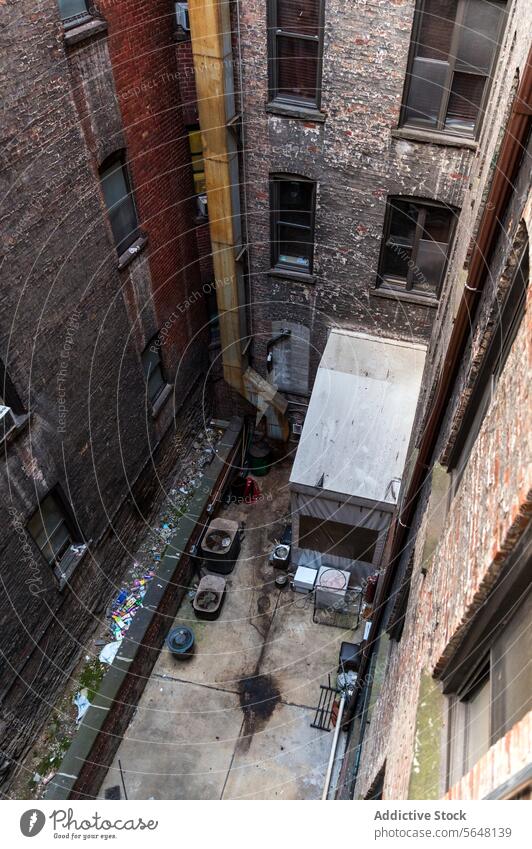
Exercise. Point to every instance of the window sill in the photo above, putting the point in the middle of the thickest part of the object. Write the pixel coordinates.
(427, 137)
(20, 425)
(408, 297)
(286, 274)
(161, 400)
(288, 110)
(132, 252)
(73, 558)
(84, 31)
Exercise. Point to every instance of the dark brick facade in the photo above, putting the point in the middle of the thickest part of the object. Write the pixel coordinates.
(73, 325)
(463, 537)
(355, 160)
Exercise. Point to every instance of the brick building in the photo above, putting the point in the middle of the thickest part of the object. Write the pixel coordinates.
(103, 324)
(443, 708)
(378, 160)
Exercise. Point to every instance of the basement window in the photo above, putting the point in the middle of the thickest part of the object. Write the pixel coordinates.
(292, 221)
(74, 12)
(454, 45)
(119, 200)
(415, 246)
(295, 39)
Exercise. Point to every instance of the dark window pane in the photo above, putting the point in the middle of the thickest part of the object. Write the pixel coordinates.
(437, 224)
(295, 202)
(427, 81)
(464, 103)
(295, 246)
(395, 261)
(478, 36)
(49, 529)
(436, 29)
(121, 208)
(72, 8)
(477, 725)
(300, 16)
(512, 671)
(429, 266)
(151, 363)
(403, 222)
(297, 62)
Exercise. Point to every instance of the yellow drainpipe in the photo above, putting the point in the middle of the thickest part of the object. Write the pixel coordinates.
(210, 27)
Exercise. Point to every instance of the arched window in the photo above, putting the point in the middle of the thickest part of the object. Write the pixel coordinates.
(119, 200)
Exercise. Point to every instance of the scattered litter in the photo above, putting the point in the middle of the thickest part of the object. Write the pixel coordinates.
(108, 653)
(126, 605)
(82, 703)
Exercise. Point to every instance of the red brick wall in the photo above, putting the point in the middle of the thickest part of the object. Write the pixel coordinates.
(187, 82)
(142, 48)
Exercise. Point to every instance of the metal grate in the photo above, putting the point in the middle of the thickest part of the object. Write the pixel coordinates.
(323, 716)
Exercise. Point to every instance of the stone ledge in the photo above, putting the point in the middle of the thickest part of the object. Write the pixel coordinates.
(84, 31)
(302, 113)
(426, 137)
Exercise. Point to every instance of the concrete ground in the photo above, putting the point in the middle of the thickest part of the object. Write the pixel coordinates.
(234, 721)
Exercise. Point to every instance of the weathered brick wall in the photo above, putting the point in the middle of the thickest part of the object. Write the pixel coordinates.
(356, 162)
(494, 500)
(71, 330)
(488, 512)
(143, 56)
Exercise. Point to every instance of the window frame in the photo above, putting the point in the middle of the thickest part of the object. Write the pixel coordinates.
(64, 565)
(386, 283)
(465, 670)
(120, 158)
(276, 223)
(75, 20)
(452, 61)
(274, 32)
(160, 366)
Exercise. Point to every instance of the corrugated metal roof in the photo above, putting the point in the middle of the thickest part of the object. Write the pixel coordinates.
(360, 416)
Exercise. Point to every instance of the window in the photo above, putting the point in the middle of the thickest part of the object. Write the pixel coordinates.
(73, 12)
(509, 319)
(415, 246)
(292, 208)
(153, 372)
(52, 530)
(452, 56)
(495, 696)
(295, 49)
(119, 201)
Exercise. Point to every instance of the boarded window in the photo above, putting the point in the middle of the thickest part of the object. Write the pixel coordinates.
(290, 357)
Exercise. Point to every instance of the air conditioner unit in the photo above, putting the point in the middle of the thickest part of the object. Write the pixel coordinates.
(7, 421)
(181, 14)
(202, 205)
(297, 428)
